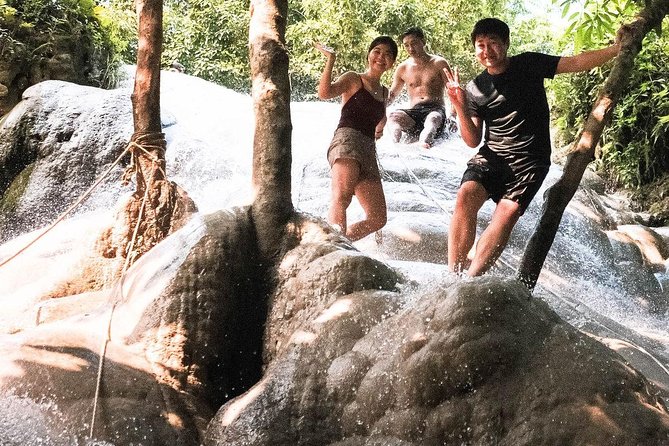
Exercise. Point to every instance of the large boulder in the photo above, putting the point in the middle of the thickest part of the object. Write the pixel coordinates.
(55, 144)
(472, 362)
(183, 332)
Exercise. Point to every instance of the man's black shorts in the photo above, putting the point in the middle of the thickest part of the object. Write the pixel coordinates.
(519, 184)
(419, 113)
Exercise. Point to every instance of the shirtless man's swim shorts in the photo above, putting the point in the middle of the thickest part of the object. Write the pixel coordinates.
(419, 113)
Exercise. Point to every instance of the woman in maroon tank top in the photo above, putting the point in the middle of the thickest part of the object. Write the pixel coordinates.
(352, 153)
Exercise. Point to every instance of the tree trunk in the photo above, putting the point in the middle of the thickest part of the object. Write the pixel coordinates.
(158, 207)
(557, 197)
(272, 207)
(146, 95)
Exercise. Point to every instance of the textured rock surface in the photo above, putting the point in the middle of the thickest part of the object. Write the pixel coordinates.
(55, 144)
(475, 362)
(186, 335)
(350, 352)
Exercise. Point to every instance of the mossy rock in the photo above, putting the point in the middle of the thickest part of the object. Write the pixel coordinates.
(12, 196)
(654, 199)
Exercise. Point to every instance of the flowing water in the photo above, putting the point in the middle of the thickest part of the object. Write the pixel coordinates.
(210, 155)
(210, 130)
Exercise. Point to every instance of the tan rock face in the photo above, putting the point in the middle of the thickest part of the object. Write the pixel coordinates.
(651, 244)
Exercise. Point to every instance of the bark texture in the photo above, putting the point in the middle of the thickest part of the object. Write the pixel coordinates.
(557, 197)
(158, 207)
(272, 207)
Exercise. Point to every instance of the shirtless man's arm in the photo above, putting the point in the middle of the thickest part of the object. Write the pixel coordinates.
(444, 67)
(398, 83)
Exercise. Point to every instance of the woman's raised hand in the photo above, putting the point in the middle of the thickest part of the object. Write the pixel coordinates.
(326, 50)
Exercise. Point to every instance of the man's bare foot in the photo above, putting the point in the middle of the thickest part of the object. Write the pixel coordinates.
(424, 145)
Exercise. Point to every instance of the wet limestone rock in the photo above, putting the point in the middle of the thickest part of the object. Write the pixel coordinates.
(187, 334)
(54, 145)
(472, 362)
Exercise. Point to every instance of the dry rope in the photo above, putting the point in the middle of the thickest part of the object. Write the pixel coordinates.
(139, 143)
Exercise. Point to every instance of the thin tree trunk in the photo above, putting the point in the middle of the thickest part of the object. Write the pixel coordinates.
(272, 207)
(146, 94)
(158, 207)
(557, 197)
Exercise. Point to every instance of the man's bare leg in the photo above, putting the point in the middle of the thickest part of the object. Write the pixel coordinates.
(399, 122)
(495, 237)
(462, 230)
(433, 121)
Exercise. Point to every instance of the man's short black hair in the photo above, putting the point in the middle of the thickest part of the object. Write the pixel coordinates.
(413, 31)
(384, 40)
(491, 27)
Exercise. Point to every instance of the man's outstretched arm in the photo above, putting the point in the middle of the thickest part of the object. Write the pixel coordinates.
(396, 87)
(590, 59)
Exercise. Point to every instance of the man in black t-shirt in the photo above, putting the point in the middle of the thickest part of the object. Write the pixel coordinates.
(509, 97)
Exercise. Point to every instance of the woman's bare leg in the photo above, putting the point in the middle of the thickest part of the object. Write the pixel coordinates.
(373, 201)
(344, 173)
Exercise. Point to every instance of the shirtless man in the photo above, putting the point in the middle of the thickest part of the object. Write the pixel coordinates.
(423, 75)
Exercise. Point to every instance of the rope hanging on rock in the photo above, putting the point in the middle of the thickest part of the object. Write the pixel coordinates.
(140, 144)
(150, 144)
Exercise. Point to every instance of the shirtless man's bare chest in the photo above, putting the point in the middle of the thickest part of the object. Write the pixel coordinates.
(424, 82)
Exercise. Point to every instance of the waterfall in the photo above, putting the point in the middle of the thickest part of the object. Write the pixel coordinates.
(209, 130)
(594, 277)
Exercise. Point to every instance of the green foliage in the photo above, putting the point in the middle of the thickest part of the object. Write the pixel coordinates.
(119, 21)
(210, 39)
(634, 145)
(634, 150)
(7, 13)
(594, 21)
(38, 25)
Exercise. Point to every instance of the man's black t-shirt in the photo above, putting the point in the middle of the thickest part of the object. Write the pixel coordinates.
(514, 107)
